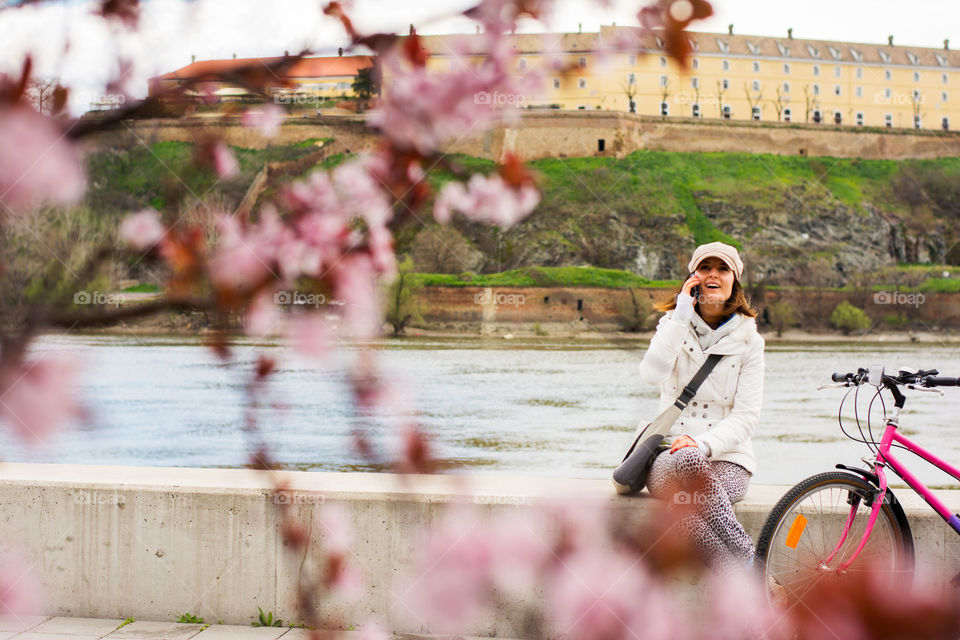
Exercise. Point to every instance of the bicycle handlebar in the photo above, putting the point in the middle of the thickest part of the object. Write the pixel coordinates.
(928, 378)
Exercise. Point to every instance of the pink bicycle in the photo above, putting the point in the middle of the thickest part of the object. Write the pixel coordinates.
(844, 521)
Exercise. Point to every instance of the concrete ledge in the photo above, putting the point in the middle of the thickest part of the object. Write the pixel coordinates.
(152, 543)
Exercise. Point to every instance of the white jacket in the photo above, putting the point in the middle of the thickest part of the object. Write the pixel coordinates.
(723, 415)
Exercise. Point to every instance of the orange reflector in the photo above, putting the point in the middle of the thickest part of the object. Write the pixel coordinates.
(796, 530)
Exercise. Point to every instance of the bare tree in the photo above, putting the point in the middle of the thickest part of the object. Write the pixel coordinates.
(778, 104)
(916, 99)
(664, 93)
(443, 249)
(810, 102)
(720, 92)
(631, 92)
(754, 101)
(42, 93)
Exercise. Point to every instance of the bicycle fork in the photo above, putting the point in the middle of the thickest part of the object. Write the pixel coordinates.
(876, 498)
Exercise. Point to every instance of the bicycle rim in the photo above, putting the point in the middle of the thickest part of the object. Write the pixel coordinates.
(810, 527)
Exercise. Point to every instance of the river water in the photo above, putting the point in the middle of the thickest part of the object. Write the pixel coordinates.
(530, 407)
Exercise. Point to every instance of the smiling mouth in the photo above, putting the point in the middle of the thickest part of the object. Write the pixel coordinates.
(713, 286)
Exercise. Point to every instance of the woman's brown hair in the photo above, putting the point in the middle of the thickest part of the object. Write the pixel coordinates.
(736, 303)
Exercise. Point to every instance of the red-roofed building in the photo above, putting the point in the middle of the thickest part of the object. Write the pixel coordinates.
(306, 79)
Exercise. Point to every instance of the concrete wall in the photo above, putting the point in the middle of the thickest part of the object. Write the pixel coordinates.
(543, 134)
(558, 308)
(153, 543)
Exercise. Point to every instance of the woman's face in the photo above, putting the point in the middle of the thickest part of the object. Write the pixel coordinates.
(716, 281)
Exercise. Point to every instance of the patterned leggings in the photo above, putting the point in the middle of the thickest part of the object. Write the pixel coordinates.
(688, 478)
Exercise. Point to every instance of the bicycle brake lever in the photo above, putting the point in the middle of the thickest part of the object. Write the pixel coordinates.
(831, 386)
(916, 388)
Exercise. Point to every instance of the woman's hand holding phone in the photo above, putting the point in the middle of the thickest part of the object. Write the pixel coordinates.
(691, 286)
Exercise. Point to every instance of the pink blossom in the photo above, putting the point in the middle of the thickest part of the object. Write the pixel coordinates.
(735, 606)
(19, 589)
(266, 119)
(424, 109)
(361, 194)
(36, 397)
(336, 530)
(142, 230)
(37, 163)
(263, 316)
(595, 594)
(224, 162)
(355, 284)
(311, 335)
(486, 199)
(245, 256)
(373, 632)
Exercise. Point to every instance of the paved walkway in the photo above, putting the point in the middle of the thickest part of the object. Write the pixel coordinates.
(56, 628)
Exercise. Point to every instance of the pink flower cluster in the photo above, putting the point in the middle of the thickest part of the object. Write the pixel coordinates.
(37, 396)
(38, 165)
(142, 230)
(487, 199)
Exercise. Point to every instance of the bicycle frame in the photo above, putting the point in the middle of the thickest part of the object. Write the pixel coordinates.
(885, 458)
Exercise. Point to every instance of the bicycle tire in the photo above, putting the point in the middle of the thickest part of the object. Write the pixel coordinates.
(797, 568)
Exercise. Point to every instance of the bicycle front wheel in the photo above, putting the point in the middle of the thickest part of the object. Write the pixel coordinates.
(807, 524)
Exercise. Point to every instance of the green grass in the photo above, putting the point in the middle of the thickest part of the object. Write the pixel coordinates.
(544, 277)
(143, 288)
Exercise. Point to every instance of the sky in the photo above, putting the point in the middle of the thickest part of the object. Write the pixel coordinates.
(174, 30)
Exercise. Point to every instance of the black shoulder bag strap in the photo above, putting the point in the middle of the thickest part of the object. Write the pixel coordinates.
(691, 389)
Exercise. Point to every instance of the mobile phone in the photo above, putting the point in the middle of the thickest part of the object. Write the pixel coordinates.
(695, 291)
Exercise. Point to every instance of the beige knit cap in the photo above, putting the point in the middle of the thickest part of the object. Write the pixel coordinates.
(717, 250)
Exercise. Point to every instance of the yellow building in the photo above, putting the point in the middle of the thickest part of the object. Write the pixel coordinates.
(737, 77)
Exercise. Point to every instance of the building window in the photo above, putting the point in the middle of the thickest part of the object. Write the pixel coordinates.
(887, 93)
(663, 81)
(887, 74)
(663, 61)
(632, 79)
(945, 123)
(633, 60)
(816, 69)
(943, 78)
(916, 122)
(837, 117)
(786, 68)
(756, 67)
(556, 83)
(836, 72)
(695, 83)
(817, 116)
(583, 63)
(756, 85)
(859, 92)
(696, 111)
(725, 65)
(836, 89)
(521, 64)
(582, 83)
(787, 114)
(943, 96)
(695, 63)
(726, 111)
(725, 84)
(786, 87)
(664, 109)
(859, 73)
(859, 118)
(916, 95)
(756, 112)
(888, 120)
(916, 76)
(816, 89)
